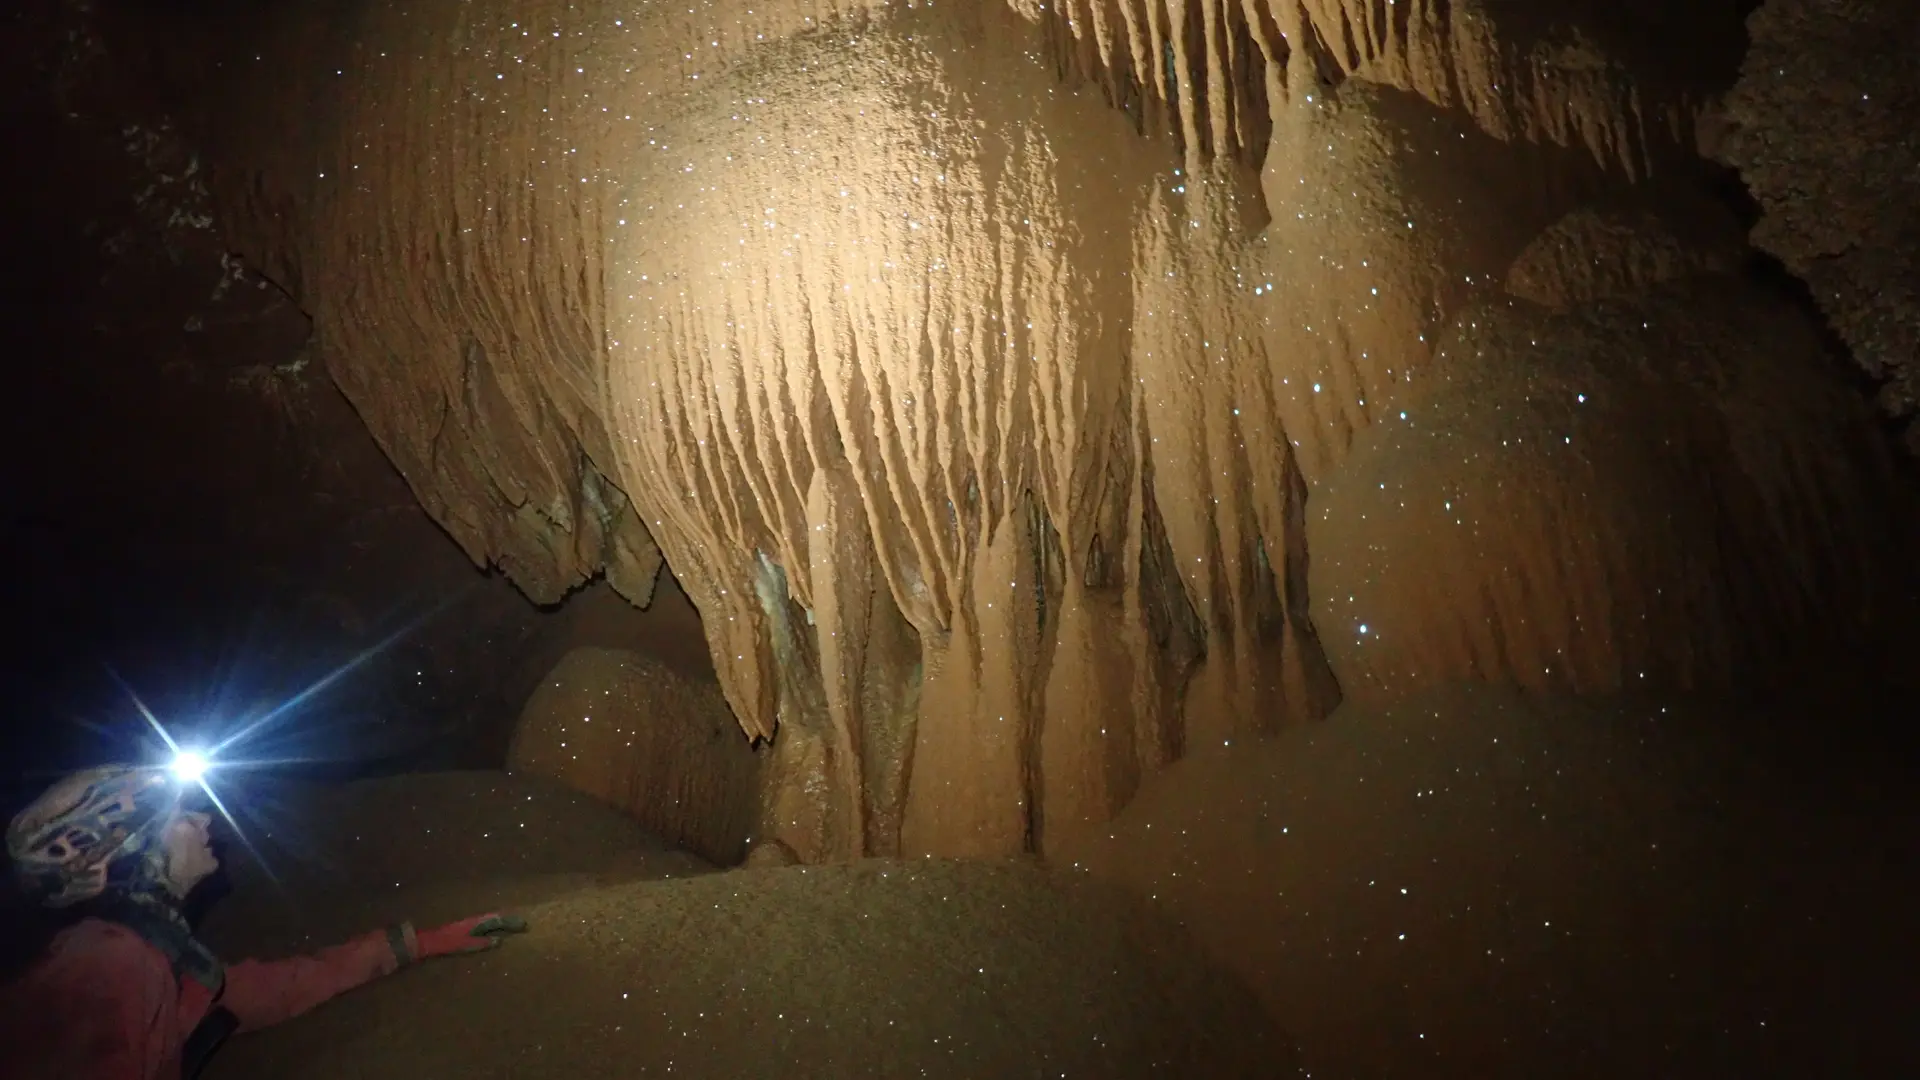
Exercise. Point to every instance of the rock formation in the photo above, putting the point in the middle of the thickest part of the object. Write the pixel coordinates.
(1821, 127)
(1617, 497)
(1482, 882)
(632, 732)
(1016, 389)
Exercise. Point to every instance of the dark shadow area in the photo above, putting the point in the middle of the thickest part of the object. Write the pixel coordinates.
(195, 514)
(197, 524)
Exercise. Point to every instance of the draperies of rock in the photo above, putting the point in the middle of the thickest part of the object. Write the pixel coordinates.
(983, 427)
(885, 341)
(1586, 75)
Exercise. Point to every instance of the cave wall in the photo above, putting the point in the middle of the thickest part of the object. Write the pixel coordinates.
(1821, 126)
(979, 370)
(192, 505)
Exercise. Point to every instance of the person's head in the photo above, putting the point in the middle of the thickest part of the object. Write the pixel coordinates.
(112, 830)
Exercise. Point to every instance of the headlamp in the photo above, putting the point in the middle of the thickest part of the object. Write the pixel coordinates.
(188, 766)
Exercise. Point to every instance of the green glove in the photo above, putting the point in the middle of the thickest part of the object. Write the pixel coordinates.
(473, 934)
(497, 926)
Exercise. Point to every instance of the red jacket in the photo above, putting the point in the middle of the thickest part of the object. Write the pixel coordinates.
(104, 1004)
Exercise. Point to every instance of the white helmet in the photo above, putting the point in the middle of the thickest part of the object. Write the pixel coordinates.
(63, 845)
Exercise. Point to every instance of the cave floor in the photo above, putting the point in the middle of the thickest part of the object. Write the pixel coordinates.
(1469, 885)
(643, 961)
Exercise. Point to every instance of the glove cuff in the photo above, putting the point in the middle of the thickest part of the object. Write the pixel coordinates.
(405, 944)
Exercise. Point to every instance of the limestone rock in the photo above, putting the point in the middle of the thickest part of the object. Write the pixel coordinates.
(1669, 490)
(939, 969)
(1496, 884)
(630, 731)
(767, 853)
(1591, 255)
(976, 368)
(1821, 126)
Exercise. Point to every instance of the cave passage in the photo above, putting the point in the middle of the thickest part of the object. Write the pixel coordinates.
(1116, 537)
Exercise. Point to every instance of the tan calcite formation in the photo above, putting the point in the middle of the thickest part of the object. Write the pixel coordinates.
(977, 368)
(1662, 491)
(1227, 481)
(1568, 74)
(883, 345)
(634, 733)
(1388, 214)
(1594, 254)
(1376, 215)
(415, 174)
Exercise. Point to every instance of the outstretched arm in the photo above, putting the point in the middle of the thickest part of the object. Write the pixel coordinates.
(261, 993)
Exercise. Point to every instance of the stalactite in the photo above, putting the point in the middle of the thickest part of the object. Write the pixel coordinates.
(975, 368)
(1557, 87)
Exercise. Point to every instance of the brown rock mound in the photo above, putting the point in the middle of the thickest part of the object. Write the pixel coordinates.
(1475, 884)
(633, 732)
(1672, 490)
(1593, 255)
(928, 968)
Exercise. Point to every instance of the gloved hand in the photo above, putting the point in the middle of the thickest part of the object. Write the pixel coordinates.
(474, 934)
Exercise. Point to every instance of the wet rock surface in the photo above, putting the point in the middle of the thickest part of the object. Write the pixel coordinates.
(638, 962)
(1820, 125)
(1474, 882)
(630, 731)
(1015, 398)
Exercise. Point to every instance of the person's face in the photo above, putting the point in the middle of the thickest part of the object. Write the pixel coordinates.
(190, 858)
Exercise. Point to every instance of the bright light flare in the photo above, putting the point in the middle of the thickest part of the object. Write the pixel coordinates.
(192, 768)
(188, 766)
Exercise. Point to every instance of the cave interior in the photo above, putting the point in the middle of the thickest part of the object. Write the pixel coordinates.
(950, 441)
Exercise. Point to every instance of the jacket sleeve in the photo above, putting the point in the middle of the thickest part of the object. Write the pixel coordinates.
(261, 993)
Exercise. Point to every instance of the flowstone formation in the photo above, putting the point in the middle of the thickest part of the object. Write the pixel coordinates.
(1617, 496)
(983, 372)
